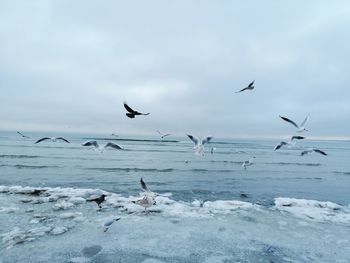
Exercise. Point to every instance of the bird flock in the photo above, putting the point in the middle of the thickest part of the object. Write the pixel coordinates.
(148, 198)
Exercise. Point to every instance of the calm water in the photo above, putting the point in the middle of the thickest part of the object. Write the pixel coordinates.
(182, 232)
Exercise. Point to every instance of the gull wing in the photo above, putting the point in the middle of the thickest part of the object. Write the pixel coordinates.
(113, 145)
(165, 135)
(297, 138)
(42, 139)
(126, 106)
(207, 139)
(63, 139)
(320, 152)
(304, 121)
(91, 143)
(242, 90)
(194, 139)
(143, 185)
(305, 152)
(278, 146)
(251, 84)
(290, 121)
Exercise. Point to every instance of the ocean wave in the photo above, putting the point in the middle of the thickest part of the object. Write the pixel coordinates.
(298, 164)
(103, 169)
(19, 156)
(23, 166)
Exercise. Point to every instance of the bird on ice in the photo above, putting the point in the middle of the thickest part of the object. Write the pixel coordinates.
(132, 113)
(148, 197)
(53, 139)
(290, 142)
(98, 200)
(313, 150)
(96, 146)
(301, 127)
(108, 223)
(248, 163)
(199, 143)
(249, 87)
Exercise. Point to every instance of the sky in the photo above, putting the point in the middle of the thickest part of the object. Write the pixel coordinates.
(67, 66)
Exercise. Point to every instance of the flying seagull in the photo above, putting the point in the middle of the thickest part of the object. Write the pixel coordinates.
(148, 198)
(313, 150)
(98, 200)
(249, 87)
(132, 113)
(248, 163)
(53, 139)
(290, 142)
(96, 146)
(115, 135)
(108, 223)
(23, 136)
(199, 143)
(301, 127)
(162, 135)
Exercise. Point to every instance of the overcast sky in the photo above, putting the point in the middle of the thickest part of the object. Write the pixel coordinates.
(69, 65)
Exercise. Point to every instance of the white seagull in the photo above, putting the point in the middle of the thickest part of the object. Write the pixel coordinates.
(53, 139)
(248, 163)
(301, 127)
(313, 150)
(162, 135)
(199, 143)
(290, 142)
(108, 223)
(23, 136)
(96, 146)
(148, 197)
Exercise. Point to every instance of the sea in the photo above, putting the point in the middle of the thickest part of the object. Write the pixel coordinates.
(283, 208)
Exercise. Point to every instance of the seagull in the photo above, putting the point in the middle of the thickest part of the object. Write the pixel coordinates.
(312, 150)
(290, 142)
(115, 135)
(162, 135)
(301, 127)
(248, 163)
(23, 136)
(98, 200)
(96, 146)
(132, 113)
(108, 223)
(148, 198)
(199, 143)
(249, 87)
(53, 139)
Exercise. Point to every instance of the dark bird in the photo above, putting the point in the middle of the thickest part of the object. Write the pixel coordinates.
(249, 87)
(53, 139)
(301, 127)
(313, 150)
(23, 136)
(290, 142)
(98, 200)
(132, 113)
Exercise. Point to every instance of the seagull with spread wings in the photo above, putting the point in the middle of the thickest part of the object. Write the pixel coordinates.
(249, 87)
(132, 113)
(148, 197)
(163, 135)
(52, 139)
(96, 146)
(313, 150)
(199, 143)
(301, 127)
(290, 142)
(23, 136)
